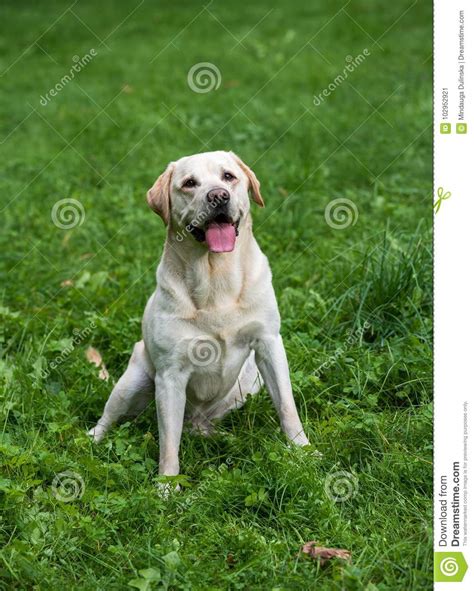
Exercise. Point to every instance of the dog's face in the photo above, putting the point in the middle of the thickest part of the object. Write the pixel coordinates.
(207, 196)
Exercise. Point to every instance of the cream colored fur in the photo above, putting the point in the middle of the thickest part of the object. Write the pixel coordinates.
(211, 329)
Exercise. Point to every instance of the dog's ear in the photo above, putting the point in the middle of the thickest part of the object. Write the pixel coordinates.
(159, 195)
(254, 183)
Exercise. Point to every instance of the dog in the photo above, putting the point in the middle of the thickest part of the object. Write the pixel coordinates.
(211, 329)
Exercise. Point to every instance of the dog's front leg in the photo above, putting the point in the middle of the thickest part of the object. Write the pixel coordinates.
(272, 363)
(170, 392)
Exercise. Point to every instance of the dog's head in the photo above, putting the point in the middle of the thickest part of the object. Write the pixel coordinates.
(207, 196)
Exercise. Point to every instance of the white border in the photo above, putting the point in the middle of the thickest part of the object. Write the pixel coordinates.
(453, 282)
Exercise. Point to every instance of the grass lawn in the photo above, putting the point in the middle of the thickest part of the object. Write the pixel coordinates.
(355, 301)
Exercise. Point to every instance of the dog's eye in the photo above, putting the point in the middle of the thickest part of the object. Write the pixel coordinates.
(189, 183)
(228, 176)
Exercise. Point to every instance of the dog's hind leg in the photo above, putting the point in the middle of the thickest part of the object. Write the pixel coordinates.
(131, 394)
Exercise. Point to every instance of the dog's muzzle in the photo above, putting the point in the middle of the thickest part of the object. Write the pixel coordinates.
(219, 232)
(218, 197)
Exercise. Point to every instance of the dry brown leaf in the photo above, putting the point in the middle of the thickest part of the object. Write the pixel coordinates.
(127, 88)
(103, 374)
(231, 83)
(93, 356)
(325, 554)
(67, 283)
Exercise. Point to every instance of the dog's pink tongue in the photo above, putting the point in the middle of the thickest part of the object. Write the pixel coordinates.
(220, 237)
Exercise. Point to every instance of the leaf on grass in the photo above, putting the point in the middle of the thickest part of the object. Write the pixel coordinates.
(172, 560)
(92, 281)
(93, 356)
(325, 554)
(67, 283)
(7, 313)
(83, 279)
(142, 584)
(149, 576)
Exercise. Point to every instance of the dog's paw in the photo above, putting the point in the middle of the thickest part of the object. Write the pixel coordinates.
(300, 439)
(166, 489)
(307, 449)
(97, 433)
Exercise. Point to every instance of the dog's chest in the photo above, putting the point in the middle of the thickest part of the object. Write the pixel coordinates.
(217, 351)
(216, 290)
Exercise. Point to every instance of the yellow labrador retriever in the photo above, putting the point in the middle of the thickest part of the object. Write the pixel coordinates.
(212, 327)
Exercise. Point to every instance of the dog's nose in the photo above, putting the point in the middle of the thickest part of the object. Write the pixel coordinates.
(218, 196)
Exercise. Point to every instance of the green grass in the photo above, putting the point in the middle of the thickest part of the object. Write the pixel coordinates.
(355, 302)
